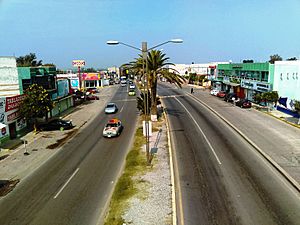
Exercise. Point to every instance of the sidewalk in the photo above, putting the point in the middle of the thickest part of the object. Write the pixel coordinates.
(42, 145)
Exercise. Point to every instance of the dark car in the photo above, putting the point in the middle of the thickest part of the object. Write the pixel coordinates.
(230, 97)
(56, 124)
(243, 103)
(221, 94)
(93, 90)
(92, 97)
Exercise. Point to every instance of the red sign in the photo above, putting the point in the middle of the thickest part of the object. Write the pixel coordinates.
(13, 116)
(90, 76)
(13, 102)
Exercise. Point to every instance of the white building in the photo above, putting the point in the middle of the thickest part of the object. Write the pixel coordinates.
(287, 82)
(9, 82)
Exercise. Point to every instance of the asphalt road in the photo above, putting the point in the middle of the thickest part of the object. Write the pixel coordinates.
(220, 178)
(74, 186)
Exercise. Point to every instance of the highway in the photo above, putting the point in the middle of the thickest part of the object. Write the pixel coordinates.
(74, 185)
(219, 177)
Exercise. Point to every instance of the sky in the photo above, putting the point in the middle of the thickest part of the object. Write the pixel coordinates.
(59, 31)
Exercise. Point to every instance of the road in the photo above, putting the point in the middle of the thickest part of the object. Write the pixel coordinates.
(219, 177)
(74, 185)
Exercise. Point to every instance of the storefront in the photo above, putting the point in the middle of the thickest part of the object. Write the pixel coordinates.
(91, 80)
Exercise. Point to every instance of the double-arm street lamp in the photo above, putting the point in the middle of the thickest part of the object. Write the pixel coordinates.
(145, 51)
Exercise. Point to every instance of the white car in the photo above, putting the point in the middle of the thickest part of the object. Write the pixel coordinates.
(214, 92)
(131, 86)
(111, 108)
(113, 128)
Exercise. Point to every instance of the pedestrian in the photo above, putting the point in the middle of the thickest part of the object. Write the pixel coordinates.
(192, 90)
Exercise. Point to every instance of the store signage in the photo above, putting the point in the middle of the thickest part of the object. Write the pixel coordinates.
(13, 116)
(13, 102)
(78, 63)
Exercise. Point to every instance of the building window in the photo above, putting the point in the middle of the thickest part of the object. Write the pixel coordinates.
(297, 76)
(287, 76)
(294, 76)
(281, 76)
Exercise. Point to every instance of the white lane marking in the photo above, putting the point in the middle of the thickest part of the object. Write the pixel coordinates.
(122, 108)
(206, 139)
(62, 188)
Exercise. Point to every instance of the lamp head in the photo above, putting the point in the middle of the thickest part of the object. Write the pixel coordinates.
(176, 40)
(112, 42)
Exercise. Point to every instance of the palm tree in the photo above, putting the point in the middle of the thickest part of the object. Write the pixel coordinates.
(156, 68)
(28, 60)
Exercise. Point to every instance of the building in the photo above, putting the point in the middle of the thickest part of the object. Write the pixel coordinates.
(10, 97)
(246, 79)
(287, 84)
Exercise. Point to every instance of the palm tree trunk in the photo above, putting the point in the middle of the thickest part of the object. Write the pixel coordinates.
(153, 101)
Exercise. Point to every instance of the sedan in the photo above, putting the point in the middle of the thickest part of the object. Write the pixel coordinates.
(221, 94)
(214, 92)
(56, 124)
(243, 103)
(230, 97)
(111, 108)
(92, 97)
(113, 128)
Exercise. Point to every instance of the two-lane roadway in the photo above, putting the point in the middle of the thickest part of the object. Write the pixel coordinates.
(74, 186)
(220, 178)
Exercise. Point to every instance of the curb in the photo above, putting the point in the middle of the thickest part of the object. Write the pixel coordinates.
(291, 180)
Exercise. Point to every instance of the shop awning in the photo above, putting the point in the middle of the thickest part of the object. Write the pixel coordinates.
(232, 84)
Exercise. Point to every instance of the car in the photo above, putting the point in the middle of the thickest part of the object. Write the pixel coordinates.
(214, 92)
(230, 97)
(132, 86)
(243, 103)
(123, 83)
(93, 90)
(113, 128)
(111, 108)
(56, 124)
(221, 94)
(131, 92)
(92, 97)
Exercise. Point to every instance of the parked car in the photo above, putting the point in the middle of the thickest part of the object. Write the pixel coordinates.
(230, 97)
(113, 128)
(93, 90)
(131, 92)
(243, 103)
(111, 108)
(56, 124)
(92, 97)
(214, 92)
(221, 94)
(132, 86)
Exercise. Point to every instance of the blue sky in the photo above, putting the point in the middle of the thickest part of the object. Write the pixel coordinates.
(59, 31)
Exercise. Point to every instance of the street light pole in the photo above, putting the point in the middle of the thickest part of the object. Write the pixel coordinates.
(145, 51)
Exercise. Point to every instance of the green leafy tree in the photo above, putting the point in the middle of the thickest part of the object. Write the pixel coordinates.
(270, 97)
(274, 58)
(156, 68)
(28, 61)
(297, 108)
(37, 103)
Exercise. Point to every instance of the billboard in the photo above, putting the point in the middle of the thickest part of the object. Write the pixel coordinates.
(78, 63)
(90, 76)
(62, 88)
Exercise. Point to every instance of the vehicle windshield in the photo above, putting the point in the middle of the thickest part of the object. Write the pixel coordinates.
(112, 125)
(110, 106)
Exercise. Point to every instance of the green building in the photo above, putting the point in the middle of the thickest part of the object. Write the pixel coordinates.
(245, 79)
(58, 89)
